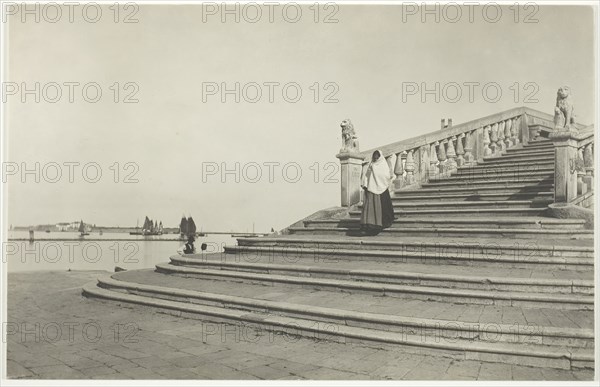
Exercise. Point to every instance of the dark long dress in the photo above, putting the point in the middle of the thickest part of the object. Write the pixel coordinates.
(377, 212)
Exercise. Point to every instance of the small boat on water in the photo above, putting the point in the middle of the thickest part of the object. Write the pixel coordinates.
(149, 228)
(82, 231)
(187, 227)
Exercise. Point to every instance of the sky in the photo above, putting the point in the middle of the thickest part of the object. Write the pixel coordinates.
(176, 60)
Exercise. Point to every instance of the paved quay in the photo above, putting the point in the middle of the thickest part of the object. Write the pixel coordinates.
(53, 332)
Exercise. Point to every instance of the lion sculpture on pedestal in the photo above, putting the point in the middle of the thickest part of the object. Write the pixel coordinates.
(349, 138)
(564, 116)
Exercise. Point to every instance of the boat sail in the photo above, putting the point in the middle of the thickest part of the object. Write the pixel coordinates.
(150, 227)
(191, 226)
(82, 231)
(183, 227)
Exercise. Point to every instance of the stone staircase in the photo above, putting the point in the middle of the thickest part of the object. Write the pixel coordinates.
(472, 268)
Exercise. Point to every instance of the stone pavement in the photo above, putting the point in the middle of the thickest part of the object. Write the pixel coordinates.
(55, 333)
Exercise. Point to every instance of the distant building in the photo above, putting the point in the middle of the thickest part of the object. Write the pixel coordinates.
(63, 226)
(71, 226)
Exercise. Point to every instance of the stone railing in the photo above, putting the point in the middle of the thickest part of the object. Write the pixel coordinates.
(574, 165)
(420, 159)
(438, 154)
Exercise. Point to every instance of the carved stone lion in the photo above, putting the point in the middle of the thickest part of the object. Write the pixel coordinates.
(564, 116)
(349, 138)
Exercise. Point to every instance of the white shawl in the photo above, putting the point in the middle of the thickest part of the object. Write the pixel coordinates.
(378, 176)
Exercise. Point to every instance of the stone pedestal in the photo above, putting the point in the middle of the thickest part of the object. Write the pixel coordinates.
(565, 156)
(351, 170)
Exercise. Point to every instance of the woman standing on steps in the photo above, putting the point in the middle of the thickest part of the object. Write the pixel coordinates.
(377, 211)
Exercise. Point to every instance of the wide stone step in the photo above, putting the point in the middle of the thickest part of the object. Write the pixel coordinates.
(402, 196)
(465, 204)
(443, 276)
(489, 256)
(478, 178)
(529, 151)
(253, 296)
(467, 248)
(453, 232)
(508, 160)
(339, 325)
(481, 189)
(500, 223)
(521, 170)
(484, 182)
(538, 143)
(522, 166)
(413, 291)
(462, 212)
(521, 156)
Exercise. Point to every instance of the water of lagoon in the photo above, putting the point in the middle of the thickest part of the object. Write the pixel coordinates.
(66, 250)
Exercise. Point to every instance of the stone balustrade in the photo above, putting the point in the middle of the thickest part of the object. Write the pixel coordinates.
(585, 164)
(439, 154)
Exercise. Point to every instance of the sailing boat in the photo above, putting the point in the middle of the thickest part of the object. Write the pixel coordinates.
(191, 226)
(137, 229)
(183, 227)
(149, 228)
(82, 231)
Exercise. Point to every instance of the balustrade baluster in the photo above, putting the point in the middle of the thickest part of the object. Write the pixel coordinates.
(469, 158)
(507, 135)
(410, 168)
(433, 161)
(487, 150)
(501, 143)
(451, 153)
(588, 162)
(580, 170)
(460, 150)
(494, 139)
(515, 130)
(442, 156)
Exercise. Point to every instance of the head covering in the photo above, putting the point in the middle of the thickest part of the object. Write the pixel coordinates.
(378, 176)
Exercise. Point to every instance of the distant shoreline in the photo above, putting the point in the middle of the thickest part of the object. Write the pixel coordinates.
(166, 231)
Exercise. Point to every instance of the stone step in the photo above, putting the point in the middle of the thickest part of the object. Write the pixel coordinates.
(253, 296)
(481, 189)
(350, 259)
(538, 143)
(468, 248)
(488, 256)
(403, 196)
(484, 182)
(339, 325)
(499, 223)
(364, 302)
(453, 232)
(529, 150)
(442, 276)
(459, 205)
(441, 294)
(491, 176)
(532, 153)
(525, 166)
(521, 156)
(473, 212)
(508, 160)
(522, 170)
